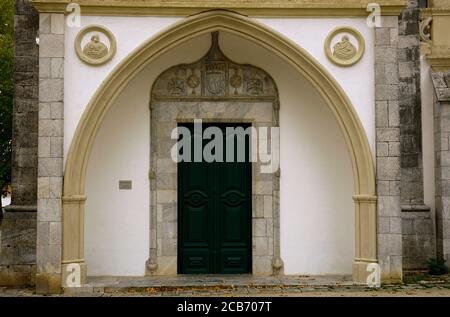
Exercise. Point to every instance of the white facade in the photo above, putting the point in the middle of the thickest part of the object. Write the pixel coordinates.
(315, 166)
(364, 155)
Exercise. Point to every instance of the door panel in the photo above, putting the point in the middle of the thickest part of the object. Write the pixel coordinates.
(214, 214)
(195, 201)
(234, 261)
(196, 261)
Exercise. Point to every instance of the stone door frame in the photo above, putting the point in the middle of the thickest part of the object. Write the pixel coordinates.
(213, 89)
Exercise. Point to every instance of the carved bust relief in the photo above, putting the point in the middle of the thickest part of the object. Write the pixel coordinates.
(344, 49)
(95, 51)
(344, 46)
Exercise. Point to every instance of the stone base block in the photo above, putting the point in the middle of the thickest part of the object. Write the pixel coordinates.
(17, 275)
(48, 283)
(360, 273)
(418, 238)
(262, 265)
(18, 246)
(167, 265)
(392, 278)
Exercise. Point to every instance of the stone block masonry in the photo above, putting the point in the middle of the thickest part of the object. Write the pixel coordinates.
(18, 248)
(389, 234)
(441, 82)
(50, 155)
(418, 239)
(25, 118)
(410, 105)
(18, 228)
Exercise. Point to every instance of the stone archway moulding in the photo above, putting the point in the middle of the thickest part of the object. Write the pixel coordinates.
(206, 22)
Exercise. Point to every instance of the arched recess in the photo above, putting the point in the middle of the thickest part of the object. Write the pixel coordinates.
(206, 22)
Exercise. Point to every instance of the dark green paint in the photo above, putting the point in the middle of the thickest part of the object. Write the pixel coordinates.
(214, 213)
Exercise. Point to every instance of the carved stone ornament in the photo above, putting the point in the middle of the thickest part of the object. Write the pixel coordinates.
(434, 39)
(425, 35)
(425, 29)
(95, 52)
(214, 77)
(344, 52)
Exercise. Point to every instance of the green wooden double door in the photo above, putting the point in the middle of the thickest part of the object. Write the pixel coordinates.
(214, 211)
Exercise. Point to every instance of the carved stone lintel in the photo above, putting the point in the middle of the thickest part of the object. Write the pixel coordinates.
(214, 76)
(236, 81)
(193, 81)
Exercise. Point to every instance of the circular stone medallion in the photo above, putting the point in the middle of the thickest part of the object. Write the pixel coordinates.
(95, 45)
(344, 46)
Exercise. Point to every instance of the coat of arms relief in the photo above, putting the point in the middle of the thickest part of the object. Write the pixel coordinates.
(214, 76)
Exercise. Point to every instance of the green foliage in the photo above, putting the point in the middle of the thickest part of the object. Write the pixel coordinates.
(6, 88)
(437, 267)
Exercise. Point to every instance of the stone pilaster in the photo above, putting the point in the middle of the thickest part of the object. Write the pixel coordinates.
(441, 82)
(25, 118)
(18, 243)
(417, 222)
(389, 231)
(50, 154)
(410, 106)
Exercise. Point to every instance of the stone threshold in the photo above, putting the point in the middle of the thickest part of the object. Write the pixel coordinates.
(109, 284)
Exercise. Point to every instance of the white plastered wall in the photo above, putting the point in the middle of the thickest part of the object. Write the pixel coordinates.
(81, 80)
(317, 213)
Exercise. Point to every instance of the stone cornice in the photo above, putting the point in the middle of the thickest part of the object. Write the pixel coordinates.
(439, 57)
(288, 8)
(426, 12)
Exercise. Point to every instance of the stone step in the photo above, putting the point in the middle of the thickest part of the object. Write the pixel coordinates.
(205, 284)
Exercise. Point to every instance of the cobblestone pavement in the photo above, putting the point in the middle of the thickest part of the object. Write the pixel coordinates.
(409, 291)
(420, 285)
